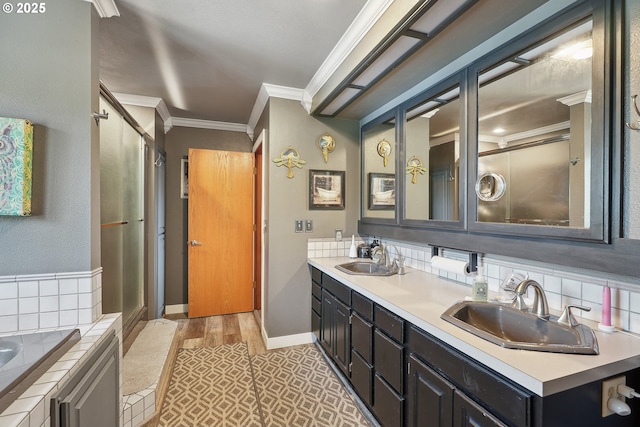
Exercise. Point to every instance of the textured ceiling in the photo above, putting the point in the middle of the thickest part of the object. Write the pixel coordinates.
(207, 59)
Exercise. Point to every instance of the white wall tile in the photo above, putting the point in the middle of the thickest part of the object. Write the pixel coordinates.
(27, 289)
(68, 286)
(48, 287)
(8, 290)
(85, 284)
(28, 305)
(8, 324)
(69, 302)
(552, 284)
(591, 293)
(49, 303)
(9, 307)
(634, 302)
(572, 288)
(28, 322)
(68, 317)
(49, 320)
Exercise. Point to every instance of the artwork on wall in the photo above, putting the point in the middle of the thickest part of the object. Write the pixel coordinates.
(16, 157)
(382, 191)
(184, 179)
(291, 159)
(326, 189)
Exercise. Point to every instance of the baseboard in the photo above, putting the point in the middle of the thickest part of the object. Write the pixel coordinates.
(176, 308)
(287, 340)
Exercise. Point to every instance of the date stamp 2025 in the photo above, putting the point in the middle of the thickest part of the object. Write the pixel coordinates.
(24, 8)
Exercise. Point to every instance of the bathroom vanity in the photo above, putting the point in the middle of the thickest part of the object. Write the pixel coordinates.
(412, 368)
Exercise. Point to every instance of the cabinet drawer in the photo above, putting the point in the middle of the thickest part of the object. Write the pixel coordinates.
(500, 396)
(362, 337)
(362, 305)
(362, 377)
(387, 404)
(316, 290)
(390, 323)
(339, 290)
(316, 275)
(316, 305)
(389, 360)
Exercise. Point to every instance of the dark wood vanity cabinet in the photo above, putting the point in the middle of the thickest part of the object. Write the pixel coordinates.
(334, 322)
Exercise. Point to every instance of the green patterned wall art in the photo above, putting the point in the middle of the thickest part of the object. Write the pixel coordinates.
(16, 155)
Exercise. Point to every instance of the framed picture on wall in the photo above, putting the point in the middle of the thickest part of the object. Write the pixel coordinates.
(382, 191)
(326, 189)
(184, 179)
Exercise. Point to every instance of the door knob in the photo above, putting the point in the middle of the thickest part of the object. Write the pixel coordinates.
(194, 243)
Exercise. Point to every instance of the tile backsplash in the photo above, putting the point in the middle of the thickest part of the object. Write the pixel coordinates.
(49, 301)
(562, 286)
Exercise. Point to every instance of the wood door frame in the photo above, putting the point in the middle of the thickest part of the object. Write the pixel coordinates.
(261, 223)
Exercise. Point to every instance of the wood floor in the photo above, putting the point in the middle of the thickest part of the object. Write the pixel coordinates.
(217, 330)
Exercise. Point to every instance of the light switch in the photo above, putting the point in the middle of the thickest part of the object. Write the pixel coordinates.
(308, 226)
(299, 226)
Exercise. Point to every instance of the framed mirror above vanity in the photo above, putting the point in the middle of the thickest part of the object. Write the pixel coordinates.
(521, 152)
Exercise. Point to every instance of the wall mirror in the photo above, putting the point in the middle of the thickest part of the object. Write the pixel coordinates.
(379, 169)
(539, 127)
(432, 156)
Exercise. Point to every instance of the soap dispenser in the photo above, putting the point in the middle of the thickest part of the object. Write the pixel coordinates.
(353, 251)
(480, 289)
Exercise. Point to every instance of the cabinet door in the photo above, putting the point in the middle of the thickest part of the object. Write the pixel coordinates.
(467, 413)
(387, 404)
(388, 360)
(429, 397)
(362, 377)
(362, 337)
(342, 337)
(326, 327)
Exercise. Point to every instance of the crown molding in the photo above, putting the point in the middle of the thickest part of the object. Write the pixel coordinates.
(368, 16)
(206, 124)
(144, 101)
(268, 90)
(105, 8)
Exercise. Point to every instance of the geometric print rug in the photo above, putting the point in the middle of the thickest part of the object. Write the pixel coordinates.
(225, 387)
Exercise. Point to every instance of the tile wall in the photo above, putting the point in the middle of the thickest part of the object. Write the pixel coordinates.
(562, 286)
(49, 301)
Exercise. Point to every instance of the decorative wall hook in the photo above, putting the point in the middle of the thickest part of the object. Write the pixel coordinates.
(98, 116)
(291, 159)
(414, 167)
(327, 144)
(636, 125)
(384, 151)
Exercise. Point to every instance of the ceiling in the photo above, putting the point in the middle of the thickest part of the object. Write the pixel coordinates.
(207, 59)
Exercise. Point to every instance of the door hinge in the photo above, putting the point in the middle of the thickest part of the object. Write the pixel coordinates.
(255, 171)
(255, 227)
(255, 284)
(350, 318)
(350, 365)
(409, 368)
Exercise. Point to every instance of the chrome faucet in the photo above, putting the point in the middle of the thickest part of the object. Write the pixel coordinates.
(397, 263)
(378, 255)
(540, 306)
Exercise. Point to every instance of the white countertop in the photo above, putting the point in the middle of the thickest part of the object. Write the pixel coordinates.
(421, 298)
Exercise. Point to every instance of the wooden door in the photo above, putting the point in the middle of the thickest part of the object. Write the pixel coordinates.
(257, 242)
(220, 232)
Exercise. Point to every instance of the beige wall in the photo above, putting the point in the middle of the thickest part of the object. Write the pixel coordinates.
(177, 143)
(287, 294)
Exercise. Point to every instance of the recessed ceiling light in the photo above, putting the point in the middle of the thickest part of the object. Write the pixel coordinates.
(498, 130)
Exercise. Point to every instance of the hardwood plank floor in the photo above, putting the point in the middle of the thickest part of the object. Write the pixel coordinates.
(218, 330)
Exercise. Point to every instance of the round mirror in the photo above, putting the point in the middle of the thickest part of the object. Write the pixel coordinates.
(490, 186)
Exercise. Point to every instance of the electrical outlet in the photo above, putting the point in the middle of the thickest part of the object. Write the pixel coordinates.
(609, 390)
(308, 226)
(299, 226)
(338, 235)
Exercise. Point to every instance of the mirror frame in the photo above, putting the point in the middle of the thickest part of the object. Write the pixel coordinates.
(459, 79)
(598, 230)
(364, 198)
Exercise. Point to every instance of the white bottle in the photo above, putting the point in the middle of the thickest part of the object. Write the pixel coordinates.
(480, 289)
(353, 251)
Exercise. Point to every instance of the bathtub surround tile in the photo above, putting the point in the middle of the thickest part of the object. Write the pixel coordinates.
(561, 286)
(8, 289)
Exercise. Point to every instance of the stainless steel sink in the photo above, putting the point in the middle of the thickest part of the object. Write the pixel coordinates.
(8, 350)
(510, 327)
(366, 268)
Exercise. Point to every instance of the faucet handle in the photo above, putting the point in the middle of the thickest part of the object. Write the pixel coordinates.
(566, 318)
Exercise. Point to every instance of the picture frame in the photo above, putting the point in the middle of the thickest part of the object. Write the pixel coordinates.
(184, 179)
(326, 189)
(382, 191)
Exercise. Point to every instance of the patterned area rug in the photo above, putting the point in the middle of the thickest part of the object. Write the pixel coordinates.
(298, 388)
(223, 387)
(211, 387)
